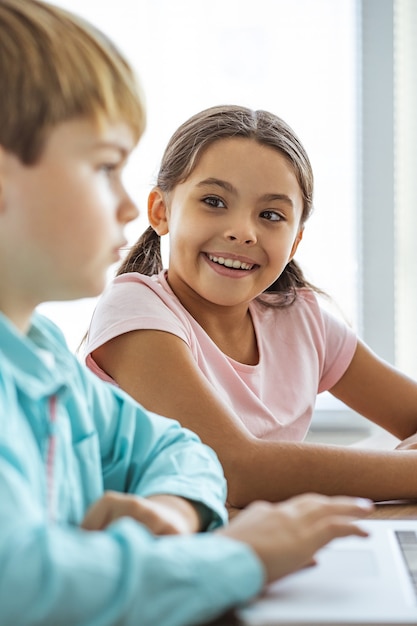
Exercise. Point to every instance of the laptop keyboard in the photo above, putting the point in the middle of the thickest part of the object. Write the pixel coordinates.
(407, 540)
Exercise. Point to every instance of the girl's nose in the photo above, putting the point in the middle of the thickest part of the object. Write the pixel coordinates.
(241, 233)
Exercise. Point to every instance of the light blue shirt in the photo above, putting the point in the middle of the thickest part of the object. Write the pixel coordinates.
(65, 437)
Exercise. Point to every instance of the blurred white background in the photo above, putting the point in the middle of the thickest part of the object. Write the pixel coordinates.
(296, 58)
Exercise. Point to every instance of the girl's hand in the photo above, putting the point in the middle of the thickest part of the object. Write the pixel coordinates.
(408, 444)
(286, 536)
(161, 514)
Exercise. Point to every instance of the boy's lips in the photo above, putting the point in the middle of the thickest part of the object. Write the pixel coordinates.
(119, 248)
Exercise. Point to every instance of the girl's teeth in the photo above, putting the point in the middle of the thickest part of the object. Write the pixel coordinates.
(230, 263)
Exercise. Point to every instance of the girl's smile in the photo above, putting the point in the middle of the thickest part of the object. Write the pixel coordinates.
(230, 265)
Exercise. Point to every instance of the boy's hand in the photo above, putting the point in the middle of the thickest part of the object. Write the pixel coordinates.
(286, 536)
(161, 514)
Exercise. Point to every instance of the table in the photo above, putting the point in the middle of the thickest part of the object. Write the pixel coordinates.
(396, 509)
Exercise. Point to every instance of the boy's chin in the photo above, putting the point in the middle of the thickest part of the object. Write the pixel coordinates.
(89, 291)
(95, 292)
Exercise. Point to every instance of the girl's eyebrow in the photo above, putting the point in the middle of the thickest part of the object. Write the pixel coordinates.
(268, 197)
(220, 183)
(282, 197)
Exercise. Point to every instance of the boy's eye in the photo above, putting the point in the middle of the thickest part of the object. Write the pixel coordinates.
(271, 216)
(215, 202)
(108, 168)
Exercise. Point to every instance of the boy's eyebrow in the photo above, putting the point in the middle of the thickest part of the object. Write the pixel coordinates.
(268, 197)
(113, 145)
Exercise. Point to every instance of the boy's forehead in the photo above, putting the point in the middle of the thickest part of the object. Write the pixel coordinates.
(116, 133)
(94, 134)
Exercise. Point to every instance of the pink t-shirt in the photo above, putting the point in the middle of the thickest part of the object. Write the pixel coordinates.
(303, 350)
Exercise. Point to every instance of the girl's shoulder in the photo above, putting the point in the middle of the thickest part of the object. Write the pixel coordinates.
(132, 287)
(135, 278)
(130, 281)
(308, 307)
(133, 301)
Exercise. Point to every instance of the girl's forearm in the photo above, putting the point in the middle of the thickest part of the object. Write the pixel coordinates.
(275, 471)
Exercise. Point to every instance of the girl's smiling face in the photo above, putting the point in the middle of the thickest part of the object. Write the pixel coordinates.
(234, 224)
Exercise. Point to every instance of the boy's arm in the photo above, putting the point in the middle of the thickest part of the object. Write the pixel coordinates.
(59, 574)
(161, 514)
(151, 456)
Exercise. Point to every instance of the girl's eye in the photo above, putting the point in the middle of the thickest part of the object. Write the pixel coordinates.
(272, 216)
(215, 202)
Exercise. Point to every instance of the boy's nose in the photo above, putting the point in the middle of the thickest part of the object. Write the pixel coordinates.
(128, 211)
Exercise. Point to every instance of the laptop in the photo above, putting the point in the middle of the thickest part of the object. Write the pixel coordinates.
(356, 582)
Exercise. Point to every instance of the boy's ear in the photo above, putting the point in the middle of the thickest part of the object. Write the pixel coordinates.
(296, 242)
(157, 211)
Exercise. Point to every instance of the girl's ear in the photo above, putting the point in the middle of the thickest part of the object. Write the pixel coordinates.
(157, 212)
(296, 242)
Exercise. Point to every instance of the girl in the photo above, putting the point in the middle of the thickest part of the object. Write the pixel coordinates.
(230, 339)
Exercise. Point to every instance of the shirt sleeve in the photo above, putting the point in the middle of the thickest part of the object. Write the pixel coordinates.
(136, 302)
(340, 344)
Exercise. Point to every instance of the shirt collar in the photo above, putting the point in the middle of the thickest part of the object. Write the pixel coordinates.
(36, 374)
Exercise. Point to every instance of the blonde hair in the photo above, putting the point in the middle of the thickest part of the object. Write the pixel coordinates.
(54, 66)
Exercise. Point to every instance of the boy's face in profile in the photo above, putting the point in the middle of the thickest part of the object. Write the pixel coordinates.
(64, 216)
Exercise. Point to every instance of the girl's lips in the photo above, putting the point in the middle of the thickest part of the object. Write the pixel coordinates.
(231, 270)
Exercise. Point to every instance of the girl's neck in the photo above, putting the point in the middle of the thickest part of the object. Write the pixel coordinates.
(230, 328)
(237, 340)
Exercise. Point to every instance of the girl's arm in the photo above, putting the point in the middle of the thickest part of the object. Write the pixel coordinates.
(378, 391)
(157, 368)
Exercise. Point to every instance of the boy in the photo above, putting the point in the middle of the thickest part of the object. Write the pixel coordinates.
(100, 500)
